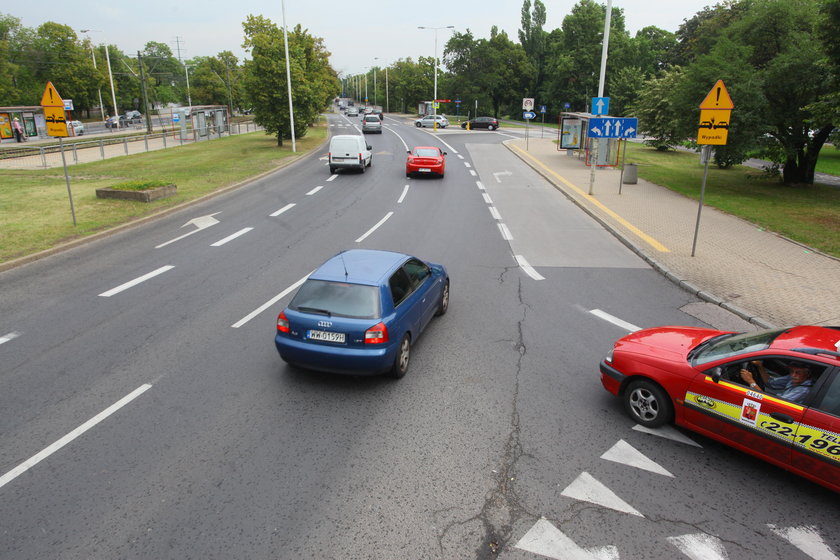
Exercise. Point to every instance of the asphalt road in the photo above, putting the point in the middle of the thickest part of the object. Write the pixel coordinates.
(145, 412)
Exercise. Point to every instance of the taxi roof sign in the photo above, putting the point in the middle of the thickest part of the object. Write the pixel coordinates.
(51, 97)
(718, 98)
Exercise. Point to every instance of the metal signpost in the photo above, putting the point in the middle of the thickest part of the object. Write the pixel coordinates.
(542, 131)
(57, 126)
(527, 105)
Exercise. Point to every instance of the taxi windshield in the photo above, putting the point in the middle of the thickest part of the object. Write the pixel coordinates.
(729, 346)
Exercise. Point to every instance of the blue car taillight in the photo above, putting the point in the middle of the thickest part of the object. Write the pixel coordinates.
(377, 334)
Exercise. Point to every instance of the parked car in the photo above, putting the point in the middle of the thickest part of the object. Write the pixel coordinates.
(75, 128)
(490, 123)
(360, 313)
(349, 151)
(371, 123)
(115, 122)
(429, 121)
(352, 111)
(774, 394)
(426, 160)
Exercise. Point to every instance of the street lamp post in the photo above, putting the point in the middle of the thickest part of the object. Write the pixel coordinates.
(288, 77)
(434, 101)
(99, 88)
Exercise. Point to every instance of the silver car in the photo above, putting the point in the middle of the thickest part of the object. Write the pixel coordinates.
(429, 121)
(371, 123)
(352, 112)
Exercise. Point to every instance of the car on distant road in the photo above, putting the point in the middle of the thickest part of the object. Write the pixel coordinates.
(490, 123)
(784, 409)
(116, 122)
(134, 117)
(360, 313)
(429, 121)
(75, 128)
(378, 113)
(371, 123)
(352, 111)
(425, 160)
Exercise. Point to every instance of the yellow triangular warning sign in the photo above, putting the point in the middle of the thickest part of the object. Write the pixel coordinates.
(51, 97)
(718, 98)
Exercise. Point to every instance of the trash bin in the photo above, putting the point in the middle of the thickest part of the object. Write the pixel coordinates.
(631, 174)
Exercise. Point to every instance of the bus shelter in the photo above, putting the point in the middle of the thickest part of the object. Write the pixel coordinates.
(573, 137)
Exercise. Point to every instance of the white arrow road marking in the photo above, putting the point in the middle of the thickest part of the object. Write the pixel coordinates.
(587, 489)
(200, 224)
(496, 175)
(136, 281)
(615, 320)
(529, 270)
(547, 540)
(807, 540)
(624, 453)
(7, 337)
(269, 303)
(374, 228)
(40, 456)
(667, 432)
(700, 546)
(231, 237)
(287, 207)
(316, 189)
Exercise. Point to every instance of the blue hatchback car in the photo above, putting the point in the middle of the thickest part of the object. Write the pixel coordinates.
(361, 311)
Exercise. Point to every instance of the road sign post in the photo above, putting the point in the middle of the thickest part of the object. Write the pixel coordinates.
(56, 121)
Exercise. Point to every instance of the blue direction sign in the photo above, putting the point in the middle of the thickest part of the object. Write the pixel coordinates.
(613, 127)
(600, 106)
(529, 115)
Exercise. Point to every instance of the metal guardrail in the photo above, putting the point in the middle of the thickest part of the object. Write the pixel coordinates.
(84, 151)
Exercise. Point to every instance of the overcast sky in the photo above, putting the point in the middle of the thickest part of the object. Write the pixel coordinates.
(356, 33)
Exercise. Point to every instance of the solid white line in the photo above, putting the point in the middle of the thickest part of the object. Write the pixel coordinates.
(398, 136)
(473, 173)
(7, 337)
(136, 281)
(374, 228)
(487, 198)
(316, 189)
(403, 195)
(480, 185)
(269, 303)
(231, 237)
(494, 213)
(527, 268)
(615, 320)
(287, 207)
(506, 235)
(38, 457)
(333, 176)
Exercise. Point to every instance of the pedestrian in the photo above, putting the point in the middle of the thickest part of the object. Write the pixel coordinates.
(18, 130)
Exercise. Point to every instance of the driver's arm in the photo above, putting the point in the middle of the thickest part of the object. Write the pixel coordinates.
(748, 378)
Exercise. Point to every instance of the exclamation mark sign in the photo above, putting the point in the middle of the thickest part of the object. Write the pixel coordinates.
(717, 97)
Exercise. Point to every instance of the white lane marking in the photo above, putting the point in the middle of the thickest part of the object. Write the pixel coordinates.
(403, 195)
(333, 176)
(287, 207)
(460, 156)
(7, 337)
(487, 198)
(467, 164)
(473, 173)
(545, 539)
(316, 189)
(587, 489)
(700, 546)
(374, 228)
(806, 539)
(132, 283)
(451, 149)
(506, 235)
(40, 456)
(527, 268)
(480, 185)
(494, 213)
(269, 303)
(400, 137)
(667, 432)
(615, 320)
(625, 454)
(231, 237)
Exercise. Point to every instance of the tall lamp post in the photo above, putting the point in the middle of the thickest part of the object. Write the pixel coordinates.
(99, 89)
(288, 76)
(434, 101)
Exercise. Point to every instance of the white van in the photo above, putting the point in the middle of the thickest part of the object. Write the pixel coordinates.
(349, 151)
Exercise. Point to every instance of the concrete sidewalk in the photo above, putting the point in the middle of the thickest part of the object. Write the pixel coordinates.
(762, 277)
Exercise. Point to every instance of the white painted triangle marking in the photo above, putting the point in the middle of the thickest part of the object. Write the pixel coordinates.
(806, 539)
(624, 453)
(547, 540)
(667, 432)
(700, 546)
(587, 489)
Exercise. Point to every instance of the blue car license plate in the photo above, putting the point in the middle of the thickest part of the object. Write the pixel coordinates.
(327, 336)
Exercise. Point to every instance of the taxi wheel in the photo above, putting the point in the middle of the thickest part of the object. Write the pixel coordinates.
(648, 404)
(403, 357)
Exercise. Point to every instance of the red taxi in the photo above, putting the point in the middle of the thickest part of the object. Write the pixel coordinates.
(426, 160)
(774, 394)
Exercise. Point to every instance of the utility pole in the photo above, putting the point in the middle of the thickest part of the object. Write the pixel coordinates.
(145, 97)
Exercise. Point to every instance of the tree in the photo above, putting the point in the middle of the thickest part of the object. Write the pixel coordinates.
(533, 41)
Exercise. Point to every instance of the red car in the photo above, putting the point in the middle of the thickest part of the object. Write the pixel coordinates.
(426, 160)
(785, 408)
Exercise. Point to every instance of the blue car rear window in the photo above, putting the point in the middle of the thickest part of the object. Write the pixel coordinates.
(337, 299)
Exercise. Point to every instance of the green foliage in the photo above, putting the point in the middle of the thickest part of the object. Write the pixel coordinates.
(139, 185)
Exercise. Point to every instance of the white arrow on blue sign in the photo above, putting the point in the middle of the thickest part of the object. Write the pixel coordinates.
(613, 127)
(529, 115)
(600, 105)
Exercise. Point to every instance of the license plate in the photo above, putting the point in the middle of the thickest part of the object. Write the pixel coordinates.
(327, 336)
(425, 170)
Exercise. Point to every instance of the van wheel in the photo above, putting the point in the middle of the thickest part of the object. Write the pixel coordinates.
(364, 167)
(332, 170)
(370, 161)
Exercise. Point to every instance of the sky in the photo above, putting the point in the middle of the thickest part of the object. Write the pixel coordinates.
(358, 34)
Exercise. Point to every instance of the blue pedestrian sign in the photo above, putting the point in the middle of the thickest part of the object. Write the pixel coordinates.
(613, 127)
(529, 115)
(542, 108)
(600, 106)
